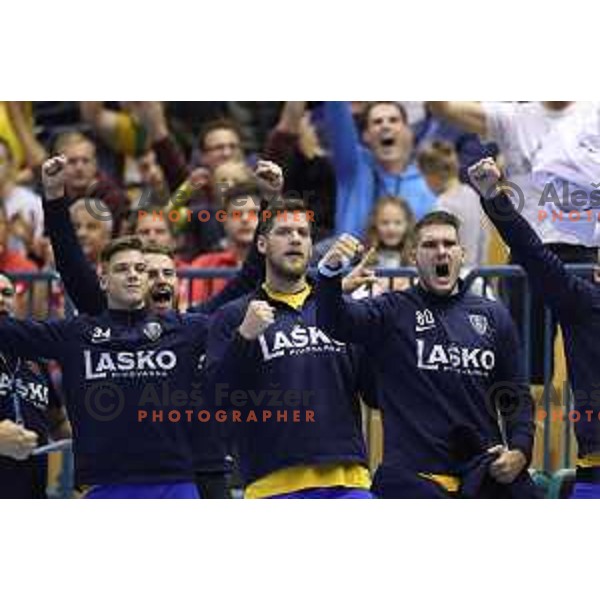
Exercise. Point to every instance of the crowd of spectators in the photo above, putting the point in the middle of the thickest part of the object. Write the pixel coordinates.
(368, 168)
(165, 171)
(132, 165)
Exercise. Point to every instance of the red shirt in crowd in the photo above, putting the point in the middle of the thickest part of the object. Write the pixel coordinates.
(15, 262)
(203, 289)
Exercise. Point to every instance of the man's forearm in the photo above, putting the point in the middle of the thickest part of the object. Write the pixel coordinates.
(342, 137)
(546, 272)
(79, 279)
(469, 116)
(172, 162)
(334, 315)
(291, 117)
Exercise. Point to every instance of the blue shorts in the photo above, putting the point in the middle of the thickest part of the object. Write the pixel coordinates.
(332, 493)
(586, 491)
(144, 491)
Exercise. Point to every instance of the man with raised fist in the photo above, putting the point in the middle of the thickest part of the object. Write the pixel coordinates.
(575, 303)
(208, 441)
(532, 136)
(108, 360)
(291, 389)
(457, 414)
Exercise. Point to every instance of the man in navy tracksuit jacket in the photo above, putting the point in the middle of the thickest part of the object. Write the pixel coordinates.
(108, 362)
(457, 412)
(576, 304)
(290, 389)
(81, 282)
(30, 411)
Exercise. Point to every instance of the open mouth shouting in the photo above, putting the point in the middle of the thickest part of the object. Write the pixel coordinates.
(442, 271)
(387, 140)
(442, 276)
(162, 296)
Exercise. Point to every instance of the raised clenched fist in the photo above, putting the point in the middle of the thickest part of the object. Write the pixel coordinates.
(486, 177)
(343, 252)
(53, 177)
(259, 316)
(271, 174)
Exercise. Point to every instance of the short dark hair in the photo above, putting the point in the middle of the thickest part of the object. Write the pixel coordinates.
(239, 191)
(128, 242)
(7, 147)
(156, 248)
(158, 213)
(273, 211)
(438, 217)
(214, 125)
(366, 113)
(438, 157)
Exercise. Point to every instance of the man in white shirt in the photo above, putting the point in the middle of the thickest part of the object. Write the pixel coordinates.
(526, 132)
(438, 162)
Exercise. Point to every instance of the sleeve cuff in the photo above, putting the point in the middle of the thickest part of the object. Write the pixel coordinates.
(326, 271)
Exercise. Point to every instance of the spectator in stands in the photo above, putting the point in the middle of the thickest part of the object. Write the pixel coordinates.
(439, 164)
(219, 141)
(92, 232)
(12, 261)
(389, 237)
(309, 175)
(524, 131)
(23, 207)
(152, 179)
(241, 207)
(85, 181)
(153, 226)
(382, 168)
(229, 175)
(390, 232)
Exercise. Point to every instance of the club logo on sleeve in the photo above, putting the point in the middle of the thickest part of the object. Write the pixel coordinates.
(479, 323)
(301, 340)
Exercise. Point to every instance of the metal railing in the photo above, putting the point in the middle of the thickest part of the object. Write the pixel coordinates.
(487, 280)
